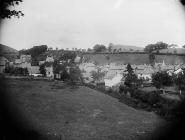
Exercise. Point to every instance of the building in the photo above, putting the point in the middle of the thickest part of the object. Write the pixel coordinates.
(25, 58)
(22, 65)
(49, 70)
(23, 62)
(113, 81)
(33, 70)
(145, 73)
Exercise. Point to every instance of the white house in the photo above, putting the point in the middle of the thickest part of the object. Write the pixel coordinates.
(25, 58)
(110, 82)
(178, 71)
(145, 73)
(49, 71)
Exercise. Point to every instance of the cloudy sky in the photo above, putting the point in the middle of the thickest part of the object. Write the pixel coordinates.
(84, 23)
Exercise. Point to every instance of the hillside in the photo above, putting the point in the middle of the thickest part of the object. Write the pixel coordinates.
(124, 58)
(8, 52)
(56, 111)
(137, 58)
(127, 47)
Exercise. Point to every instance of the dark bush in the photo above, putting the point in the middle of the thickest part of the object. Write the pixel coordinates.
(153, 99)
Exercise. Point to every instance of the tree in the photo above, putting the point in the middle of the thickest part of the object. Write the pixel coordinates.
(68, 69)
(154, 47)
(97, 75)
(35, 51)
(183, 46)
(7, 13)
(99, 48)
(89, 49)
(110, 47)
(130, 78)
(161, 79)
(75, 75)
(42, 69)
(180, 81)
(68, 56)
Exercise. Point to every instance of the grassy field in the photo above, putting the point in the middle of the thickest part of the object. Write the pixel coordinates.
(57, 111)
(134, 58)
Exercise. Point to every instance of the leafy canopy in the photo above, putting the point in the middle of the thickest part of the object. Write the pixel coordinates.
(161, 79)
(130, 78)
(5, 12)
(99, 48)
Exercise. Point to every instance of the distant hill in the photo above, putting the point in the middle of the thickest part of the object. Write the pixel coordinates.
(8, 52)
(127, 47)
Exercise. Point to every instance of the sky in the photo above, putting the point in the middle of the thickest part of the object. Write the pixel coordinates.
(84, 23)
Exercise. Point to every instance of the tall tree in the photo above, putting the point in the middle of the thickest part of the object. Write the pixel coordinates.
(162, 79)
(180, 81)
(97, 75)
(42, 69)
(110, 47)
(154, 47)
(130, 78)
(99, 48)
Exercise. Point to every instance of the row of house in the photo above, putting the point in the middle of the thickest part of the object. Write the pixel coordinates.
(24, 61)
(114, 73)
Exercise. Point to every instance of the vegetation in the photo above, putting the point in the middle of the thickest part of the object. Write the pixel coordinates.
(55, 105)
(110, 47)
(99, 48)
(131, 81)
(35, 51)
(130, 78)
(42, 69)
(97, 75)
(67, 68)
(161, 79)
(180, 81)
(5, 12)
(68, 56)
(75, 75)
(157, 46)
(16, 70)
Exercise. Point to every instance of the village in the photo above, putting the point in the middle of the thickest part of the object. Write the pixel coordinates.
(92, 70)
(111, 74)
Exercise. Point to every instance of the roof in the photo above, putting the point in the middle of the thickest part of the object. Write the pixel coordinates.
(144, 71)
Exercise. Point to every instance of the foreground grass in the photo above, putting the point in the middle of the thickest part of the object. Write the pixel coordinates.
(57, 111)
